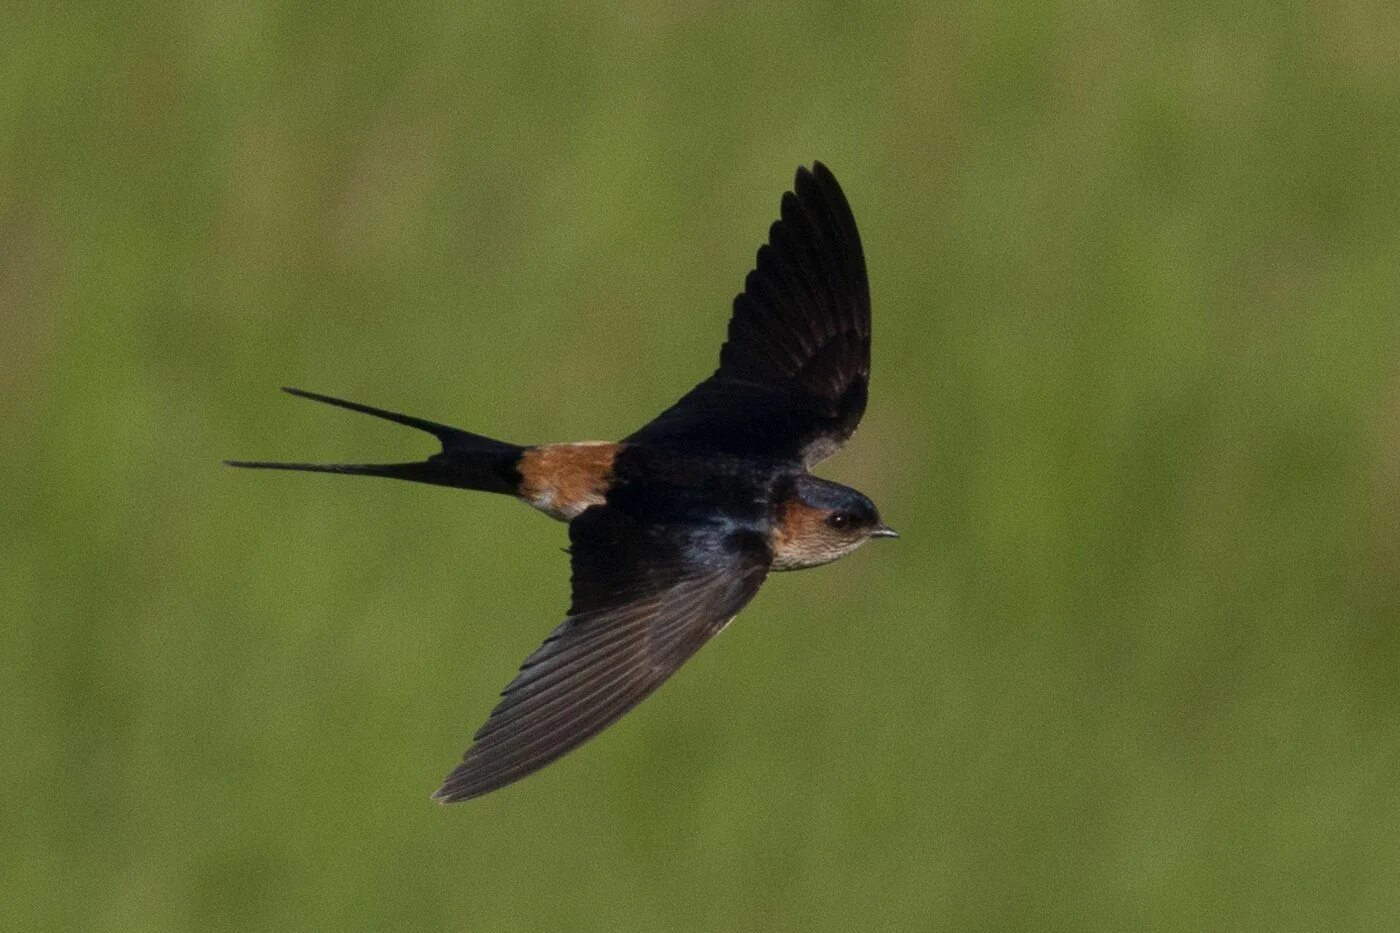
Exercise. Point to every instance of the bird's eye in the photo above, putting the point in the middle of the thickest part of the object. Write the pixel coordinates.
(839, 521)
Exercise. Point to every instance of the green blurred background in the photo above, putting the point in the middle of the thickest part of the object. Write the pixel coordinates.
(1136, 409)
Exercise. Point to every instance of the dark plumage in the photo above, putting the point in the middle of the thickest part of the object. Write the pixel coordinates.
(673, 529)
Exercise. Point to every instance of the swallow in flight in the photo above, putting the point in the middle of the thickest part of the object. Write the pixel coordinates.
(673, 529)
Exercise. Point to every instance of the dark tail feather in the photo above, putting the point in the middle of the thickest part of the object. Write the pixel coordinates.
(467, 460)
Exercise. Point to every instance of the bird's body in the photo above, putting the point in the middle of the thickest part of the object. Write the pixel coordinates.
(673, 529)
(758, 495)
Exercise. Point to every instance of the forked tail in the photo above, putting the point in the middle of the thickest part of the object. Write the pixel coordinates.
(467, 460)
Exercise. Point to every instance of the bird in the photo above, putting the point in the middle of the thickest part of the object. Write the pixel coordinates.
(673, 529)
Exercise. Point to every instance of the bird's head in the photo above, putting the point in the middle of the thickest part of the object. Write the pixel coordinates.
(817, 521)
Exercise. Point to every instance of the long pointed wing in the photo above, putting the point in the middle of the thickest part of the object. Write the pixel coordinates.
(794, 373)
(645, 598)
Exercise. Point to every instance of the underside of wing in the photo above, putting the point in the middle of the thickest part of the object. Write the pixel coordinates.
(794, 372)
(646, 597)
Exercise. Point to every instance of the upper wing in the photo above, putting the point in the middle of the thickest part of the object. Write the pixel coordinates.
(645, 598)
(793, 375)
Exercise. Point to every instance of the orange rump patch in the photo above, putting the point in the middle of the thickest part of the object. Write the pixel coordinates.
(561, 480)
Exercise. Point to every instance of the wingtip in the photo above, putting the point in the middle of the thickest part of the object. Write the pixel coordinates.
(818, 184)
(818, 171)
(454, 789)
(448, 794)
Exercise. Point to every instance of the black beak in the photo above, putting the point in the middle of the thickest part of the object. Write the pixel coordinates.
(884, 531)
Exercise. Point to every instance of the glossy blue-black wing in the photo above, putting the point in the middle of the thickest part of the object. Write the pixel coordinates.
(645, 598)
(794, 372)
